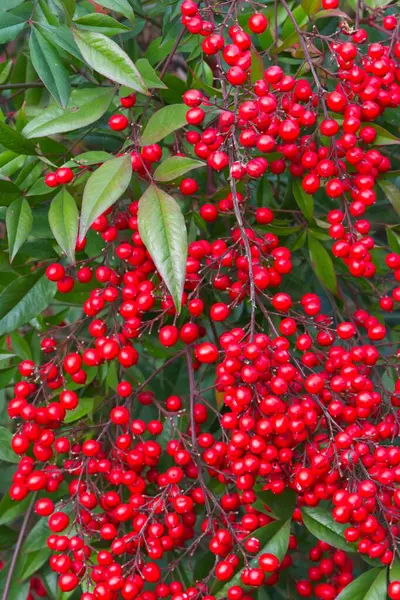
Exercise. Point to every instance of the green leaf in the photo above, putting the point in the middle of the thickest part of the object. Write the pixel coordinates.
(10, 509)
(257, 65)
(93, 157)
(24, 299)
(37, 538)
(32, 562)
(108, 59)
(274, 539)
(5, 70)
(84, 108)
(304, 201)
(6, 452)
(311, 6)
(61, 36)
(149, 75)
(20, 346)
(8, 537)
(163, 231)
(120, 6)
(384, 137)
(18, 590)
(69, 9)
(176, 166)
(392, 193)
(101, 23)
(84, 407)
(10, 27)
(63, 220)
(320, 523)
(393, 239)
(281, 505)
(103, 189)
(322, 264)
(48, 65)
(371, 585)
(163, 122)
(13, 140)
(19, 221)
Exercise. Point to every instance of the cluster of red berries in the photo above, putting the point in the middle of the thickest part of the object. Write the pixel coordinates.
(304, 404)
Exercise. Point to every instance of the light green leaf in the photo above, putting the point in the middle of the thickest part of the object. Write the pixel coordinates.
(13, 140)
(24, 299)
(19, 221)
(176, 166)
(93, 157)
(103, 189)
(320, 523)
(371, 585)
(48, 65)
(304, 201)
(108, 59)
(6, 452)
(63, 220)
(10, 27)
(163, 122)
(257, 65)
(149, 75)
(101, 23)
(322, 264)
(392, 193)
(84, 407)
(84, 108)
(163, 231)
(311, 6)
(5, 70)
(61, 36)
(120, 6)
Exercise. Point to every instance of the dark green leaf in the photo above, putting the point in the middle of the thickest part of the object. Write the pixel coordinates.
(108, 59)
(61, 36)
(101, 23)
(163, 231)
(36, 540)
(103, 189)
(257, 65)
(8, 537)
(311, 6)
(322, 264)
(48, 65)
(371, 585)
(10, 27)
(32, 562)
(392, 193)
(24, 299)
(304, 201)
(10, 509)
(393, 239)
(63, 219)
(280, 505)
(11, 139)
(384, 137)
(20, 346)
(6, 452)
(176, 166)
(320, 523)
(120, 6)
(84, 108)
(19, 222)
(163, 122)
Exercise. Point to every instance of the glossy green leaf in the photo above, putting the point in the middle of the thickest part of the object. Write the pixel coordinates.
(163, 231)
(274, 540)
(384, 137)
(19, 221)
(10, 509)
(101, 23)
(371, 585)
(37, 538)
(84, 108)
(63, 220)
(103, 189)
(304, 201)
(6, 452)
(5, 70)
(10, 27)
(163, 122)
(93, 157)
(393, 239)
(108, 59)
(48, 65)
(280, 505)
(60, 36)
(120, 6)
(24, 299)
(392, 193)
(257, 65)
(320, 523)
(322, 264)
(32, 562)
(15, 141)
(311, 6)
(176, 166)
(149, 75)
(84, 407)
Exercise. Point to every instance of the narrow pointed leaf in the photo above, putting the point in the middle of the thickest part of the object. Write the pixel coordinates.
(84, 108)
(392, 193)
(304, 201)
(108, 59)
(120, 6)
(371, 585)
(10, 27)
(320, 523)
(149, 75)
(63, 219)
(6, 452)
(101, 23)
(48, 65)
(176, 166)
(19, 222)
(163, 122)
(163, 231)
(24, 299)
(103, 189)
(13, 140)
(322, 264)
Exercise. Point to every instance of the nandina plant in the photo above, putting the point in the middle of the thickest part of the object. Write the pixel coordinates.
(200, 282)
